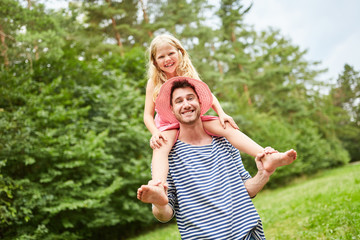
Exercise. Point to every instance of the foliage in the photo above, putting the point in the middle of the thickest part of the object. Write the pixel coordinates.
(346, 101)
(73, 146)
(73, 150)
(314, 152)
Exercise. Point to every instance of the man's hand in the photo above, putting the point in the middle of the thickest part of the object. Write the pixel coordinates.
(260, 165)
(256, 183)
(155, 192)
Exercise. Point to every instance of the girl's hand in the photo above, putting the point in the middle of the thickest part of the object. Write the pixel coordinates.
(226, 118)
(156, 140)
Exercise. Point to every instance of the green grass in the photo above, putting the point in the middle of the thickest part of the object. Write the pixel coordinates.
(325, 206)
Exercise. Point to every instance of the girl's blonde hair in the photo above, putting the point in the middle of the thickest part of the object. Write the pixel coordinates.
(156, 75)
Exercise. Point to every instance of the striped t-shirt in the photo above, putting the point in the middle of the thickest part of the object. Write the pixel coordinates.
(207, 192)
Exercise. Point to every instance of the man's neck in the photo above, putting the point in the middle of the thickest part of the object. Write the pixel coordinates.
(194, 134)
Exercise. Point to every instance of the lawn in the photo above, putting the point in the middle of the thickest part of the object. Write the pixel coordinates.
(324, 206)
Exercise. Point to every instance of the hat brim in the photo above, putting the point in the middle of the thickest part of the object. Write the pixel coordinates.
(162, 102)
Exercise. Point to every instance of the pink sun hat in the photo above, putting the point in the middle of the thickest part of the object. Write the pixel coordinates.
(162, 103)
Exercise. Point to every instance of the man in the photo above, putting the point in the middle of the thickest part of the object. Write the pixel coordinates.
(209, 190)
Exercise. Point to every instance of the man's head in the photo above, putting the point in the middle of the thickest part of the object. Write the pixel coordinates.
(184, 102)
(180, 83)
(183, 99)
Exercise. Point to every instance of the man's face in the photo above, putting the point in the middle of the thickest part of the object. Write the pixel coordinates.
(185, 105)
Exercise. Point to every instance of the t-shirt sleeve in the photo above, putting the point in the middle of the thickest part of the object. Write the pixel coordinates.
(245, 175)
(171, 193)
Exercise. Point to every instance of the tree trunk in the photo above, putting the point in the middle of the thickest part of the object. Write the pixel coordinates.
(117, 34)
(221, 71)
(4, 48)
(146, 18)
(36, 47)
(241, 68)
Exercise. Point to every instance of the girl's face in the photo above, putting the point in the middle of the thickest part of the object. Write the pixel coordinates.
(167, 59)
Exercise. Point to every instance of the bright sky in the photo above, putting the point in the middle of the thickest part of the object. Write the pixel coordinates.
(328, 29)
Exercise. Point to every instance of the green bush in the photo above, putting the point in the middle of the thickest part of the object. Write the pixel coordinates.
(314, 151)
(73, 152)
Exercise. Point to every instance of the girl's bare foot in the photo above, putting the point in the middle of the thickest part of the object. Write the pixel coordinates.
(152, 194)
(273, 160)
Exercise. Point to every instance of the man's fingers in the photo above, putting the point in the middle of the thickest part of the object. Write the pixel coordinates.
(270, 150)
(138, 195)
(154, 182)
(259, 156)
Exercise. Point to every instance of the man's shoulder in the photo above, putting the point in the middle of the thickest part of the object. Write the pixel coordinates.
(219, 140)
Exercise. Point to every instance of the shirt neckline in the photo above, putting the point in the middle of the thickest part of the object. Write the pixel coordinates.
(198, 146)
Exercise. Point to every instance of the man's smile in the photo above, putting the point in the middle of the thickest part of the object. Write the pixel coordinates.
(188, 112)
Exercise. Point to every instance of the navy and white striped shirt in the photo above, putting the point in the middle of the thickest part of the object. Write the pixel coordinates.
(207, 192)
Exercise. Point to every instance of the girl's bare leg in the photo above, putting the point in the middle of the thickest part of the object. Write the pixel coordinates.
(245, 144)
(160, 163)
(273, 160)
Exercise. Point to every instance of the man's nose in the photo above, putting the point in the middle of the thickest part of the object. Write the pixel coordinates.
(186, 103)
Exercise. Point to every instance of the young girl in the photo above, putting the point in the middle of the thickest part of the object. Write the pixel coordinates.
(167, 59)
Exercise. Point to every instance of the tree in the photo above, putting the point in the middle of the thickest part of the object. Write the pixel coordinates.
(73, 145)
(112, 23)
(233, 44)
(347, 93)
(346, 103)
(8, 28)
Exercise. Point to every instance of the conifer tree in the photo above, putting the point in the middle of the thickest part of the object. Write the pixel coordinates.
(346, 101)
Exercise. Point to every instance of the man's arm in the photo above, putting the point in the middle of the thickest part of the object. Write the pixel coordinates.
(163, 213)
(155, 194)
(256, 183)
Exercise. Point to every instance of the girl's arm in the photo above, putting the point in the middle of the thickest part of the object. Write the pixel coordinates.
(149, 109)
(149, 112)
(223, 117)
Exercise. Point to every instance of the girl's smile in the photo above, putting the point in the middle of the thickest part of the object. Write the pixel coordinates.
(167, 59)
